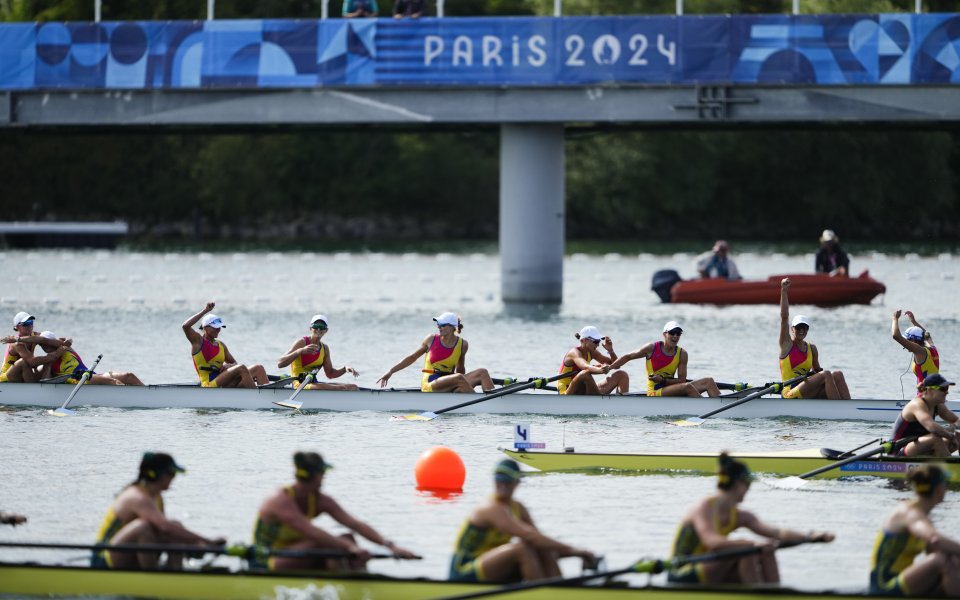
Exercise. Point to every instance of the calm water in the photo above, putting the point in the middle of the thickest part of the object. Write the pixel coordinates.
(63, 472)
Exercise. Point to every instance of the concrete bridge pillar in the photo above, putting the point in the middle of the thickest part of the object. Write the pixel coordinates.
(532, 199)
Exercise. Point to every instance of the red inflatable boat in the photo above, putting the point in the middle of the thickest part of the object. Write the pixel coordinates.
(818, 289)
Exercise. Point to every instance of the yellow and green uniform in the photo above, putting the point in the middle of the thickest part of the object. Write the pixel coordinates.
(797, 362)
(440, 361)
(69, 363)
(108, 528)
(8, 361)
(307, 362)
(563, 384)
(892, 554)
(209, 361)
(687, 543)
(472, 542)
(661, 363)
(929, 366)
(277, 535)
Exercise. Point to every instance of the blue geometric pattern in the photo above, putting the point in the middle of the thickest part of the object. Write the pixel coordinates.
(882, 49)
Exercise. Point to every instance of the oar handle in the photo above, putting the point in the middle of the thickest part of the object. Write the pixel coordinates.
(537, 382)
(753, 395)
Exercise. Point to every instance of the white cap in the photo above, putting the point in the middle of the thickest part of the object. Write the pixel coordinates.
(49, 335)
(21, 317)
(590, 332)
(800, 320)
(914, 333)
(211, 320)
(671, 325)
(447, 318)
(316, 318)
(828, 236)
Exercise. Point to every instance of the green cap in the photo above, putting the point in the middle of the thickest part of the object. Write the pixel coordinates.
(507, 471)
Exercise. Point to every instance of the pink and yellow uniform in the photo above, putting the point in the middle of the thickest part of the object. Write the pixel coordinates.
(307, 362)
(797, 362)
(8, 361)
(661, 363)
(929, 366)
(68, 364)
(563, 384)
(209, 361)
(440, 361)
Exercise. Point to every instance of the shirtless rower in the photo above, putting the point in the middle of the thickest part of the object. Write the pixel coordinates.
(918, 418)
(19, 362)
(284, 522)
(215, 366)
(70, 363)
(309, 353)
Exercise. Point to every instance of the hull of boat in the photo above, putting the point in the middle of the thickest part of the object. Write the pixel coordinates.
(822, 290)
(51, 581)
(52, 395)
(790, 462)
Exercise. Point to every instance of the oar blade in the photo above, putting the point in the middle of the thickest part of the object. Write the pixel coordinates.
(688, 422)
(787, 483)
(62, 412)
(295, 404)
(424, 416)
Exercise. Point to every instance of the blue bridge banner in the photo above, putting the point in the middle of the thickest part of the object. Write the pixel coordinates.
(884, 49)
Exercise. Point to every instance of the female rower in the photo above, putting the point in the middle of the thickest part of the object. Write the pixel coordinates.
(284, 523)
(708, 523)
(70, 363)
(917, 418)
(484, 550)
(19, 363)
(444, 366)
(917, 340)
(578, 361)
(215, 365)
(310, 353)
(906, 533)
(667, 367)
(799, 357)
(137, 517)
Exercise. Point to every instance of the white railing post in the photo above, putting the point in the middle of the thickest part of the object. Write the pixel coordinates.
(796, 7)
(557, 8)
(210, 9)
(439, 9)
(324, 9)
(919, 6)
(96, 10)
(679, 7)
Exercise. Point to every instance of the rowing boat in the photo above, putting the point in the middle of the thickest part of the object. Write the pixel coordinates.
(52, 395)
(819, 289)
(18, 580)
(787, 462)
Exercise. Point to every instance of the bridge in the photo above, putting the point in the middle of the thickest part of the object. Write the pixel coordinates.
(529, 76)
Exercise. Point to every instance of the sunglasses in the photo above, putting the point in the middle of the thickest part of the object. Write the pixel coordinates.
(944, 389)
(675, 332)
(801, 327)
(320, 326)
(27, 323)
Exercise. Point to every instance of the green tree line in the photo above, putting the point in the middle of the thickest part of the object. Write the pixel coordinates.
(868, 184)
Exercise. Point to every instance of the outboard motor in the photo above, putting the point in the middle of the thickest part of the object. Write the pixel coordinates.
(663, 281)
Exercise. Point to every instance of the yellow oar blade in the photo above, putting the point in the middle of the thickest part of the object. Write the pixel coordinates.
(426, 416)
(689, 422)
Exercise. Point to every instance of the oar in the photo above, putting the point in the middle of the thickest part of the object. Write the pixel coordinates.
(773, 387)
(292, 402)
(652, 566)
(797, 481)
(238, 550)
(63, 411)
(537, 382)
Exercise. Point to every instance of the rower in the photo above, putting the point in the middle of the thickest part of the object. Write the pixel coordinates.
(137, 517)
(444, 363)
(310, 353)
(667, 367)
(484, 550)
(8, 518)
(215, 366)
(917, 340)
(918, 418)
(19, 363)
(799, 357)
(285, 522)
(906, 533)
(70, 363)
(708, 523)
(578, 360)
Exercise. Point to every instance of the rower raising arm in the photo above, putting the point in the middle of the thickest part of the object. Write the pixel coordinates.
(215, 366)
(917, 340)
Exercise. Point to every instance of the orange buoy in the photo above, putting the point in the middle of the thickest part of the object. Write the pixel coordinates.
(440, 468)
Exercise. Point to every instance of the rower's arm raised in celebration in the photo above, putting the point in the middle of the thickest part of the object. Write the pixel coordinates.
(406, 362)
(192, 334)
(333, 508)
(913, 321)
(785, 341)
(919, 350)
